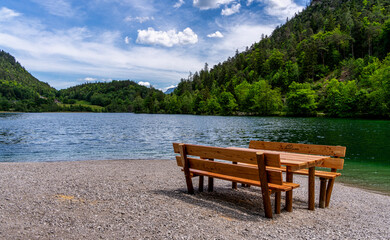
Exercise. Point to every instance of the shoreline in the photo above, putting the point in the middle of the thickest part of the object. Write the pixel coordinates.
(137, 199)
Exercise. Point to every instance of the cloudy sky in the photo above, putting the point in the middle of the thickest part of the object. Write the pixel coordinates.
(157, 42)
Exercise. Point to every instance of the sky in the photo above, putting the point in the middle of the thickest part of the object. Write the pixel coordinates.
(152, 42)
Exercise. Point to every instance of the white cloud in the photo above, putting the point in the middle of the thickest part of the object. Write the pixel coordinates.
(166, 88)
(178, 4)
(60, 8)
(229, 11)
(209, 4)
(146, 84)
(139, 19)
(217, 34)
(90, 79)
(233, 38)
(6, 13)
(167, 38)
(281, 8)
(249, 2)
(69, 53)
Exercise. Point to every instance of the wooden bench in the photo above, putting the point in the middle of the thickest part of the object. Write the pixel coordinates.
(334, 163)
(265, 170)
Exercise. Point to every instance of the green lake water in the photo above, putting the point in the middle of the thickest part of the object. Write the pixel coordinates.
(97, 136)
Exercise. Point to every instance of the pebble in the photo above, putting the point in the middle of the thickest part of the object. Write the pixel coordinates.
(147, 199)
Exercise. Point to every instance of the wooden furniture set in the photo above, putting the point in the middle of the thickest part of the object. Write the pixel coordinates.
(261, 165)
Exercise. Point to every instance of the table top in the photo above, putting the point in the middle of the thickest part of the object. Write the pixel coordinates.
(295, 161)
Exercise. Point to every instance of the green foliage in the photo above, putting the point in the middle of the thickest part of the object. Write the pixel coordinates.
(116, 96)
(333, 57)
(266, 100)
(228, 103)
(301, 99)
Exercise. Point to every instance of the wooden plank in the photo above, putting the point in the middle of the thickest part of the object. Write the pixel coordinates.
(284, 187)
(311, 191)
(278, 197)
(294, 160)
(289, 194)
(201, 181)
(336, 151)
(210, 182)
(185, 163)
(264, 185)
(323, 174)
(322, 192)
(234, 184)
(274, 175)
(222, 153)
(329, 190)
(337, 163)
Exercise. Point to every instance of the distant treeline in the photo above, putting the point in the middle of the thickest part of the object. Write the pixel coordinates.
(332, 58)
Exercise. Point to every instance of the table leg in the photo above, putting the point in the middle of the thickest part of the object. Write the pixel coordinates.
(311, 187)
(289, 178)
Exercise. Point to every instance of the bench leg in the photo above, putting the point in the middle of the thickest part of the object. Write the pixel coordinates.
(210, 186)
(190, 187)
(201, 180)
(329, 191)
(311, 188)
(322, 192)
(234, 184)
(289, 195)
(278, 197)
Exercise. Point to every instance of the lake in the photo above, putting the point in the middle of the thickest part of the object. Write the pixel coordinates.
(39, 137)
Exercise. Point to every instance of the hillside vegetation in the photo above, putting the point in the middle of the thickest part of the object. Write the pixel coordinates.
(19, 90)
(331, 59)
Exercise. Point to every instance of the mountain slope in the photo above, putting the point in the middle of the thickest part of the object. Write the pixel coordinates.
(16, 75)
(116, 96)
(332, 57)
(19, 90)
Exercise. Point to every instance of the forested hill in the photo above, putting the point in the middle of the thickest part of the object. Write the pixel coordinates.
(20, 91)
(115, 96)
(18, 88)
(331, 58)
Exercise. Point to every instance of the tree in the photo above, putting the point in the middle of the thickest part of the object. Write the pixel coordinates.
(227, 102)
(266, 100)
(301, 99)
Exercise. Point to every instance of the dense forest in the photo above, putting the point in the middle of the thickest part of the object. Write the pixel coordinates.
(331, 59)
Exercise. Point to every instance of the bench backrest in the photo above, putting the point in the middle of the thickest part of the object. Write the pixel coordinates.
(336, 152)
(202, 158)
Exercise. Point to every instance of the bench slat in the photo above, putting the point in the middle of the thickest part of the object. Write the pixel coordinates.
(336, 163)
(336, 151)
(274, 175)
(321, 174)
(234, 155)
(284, 187)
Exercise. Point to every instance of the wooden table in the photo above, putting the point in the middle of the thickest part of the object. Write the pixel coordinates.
(293, 162)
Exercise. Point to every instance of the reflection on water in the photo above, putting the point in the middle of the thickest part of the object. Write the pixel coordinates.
(86, 136)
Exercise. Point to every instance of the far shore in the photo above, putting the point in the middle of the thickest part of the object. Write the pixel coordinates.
(138, 199)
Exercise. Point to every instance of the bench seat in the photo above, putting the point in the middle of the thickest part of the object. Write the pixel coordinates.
(285, 187)
(318, 173)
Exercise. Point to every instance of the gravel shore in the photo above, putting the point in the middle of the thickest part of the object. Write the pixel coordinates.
(147, 199)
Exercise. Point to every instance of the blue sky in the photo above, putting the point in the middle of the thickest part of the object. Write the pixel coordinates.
(157, 42)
